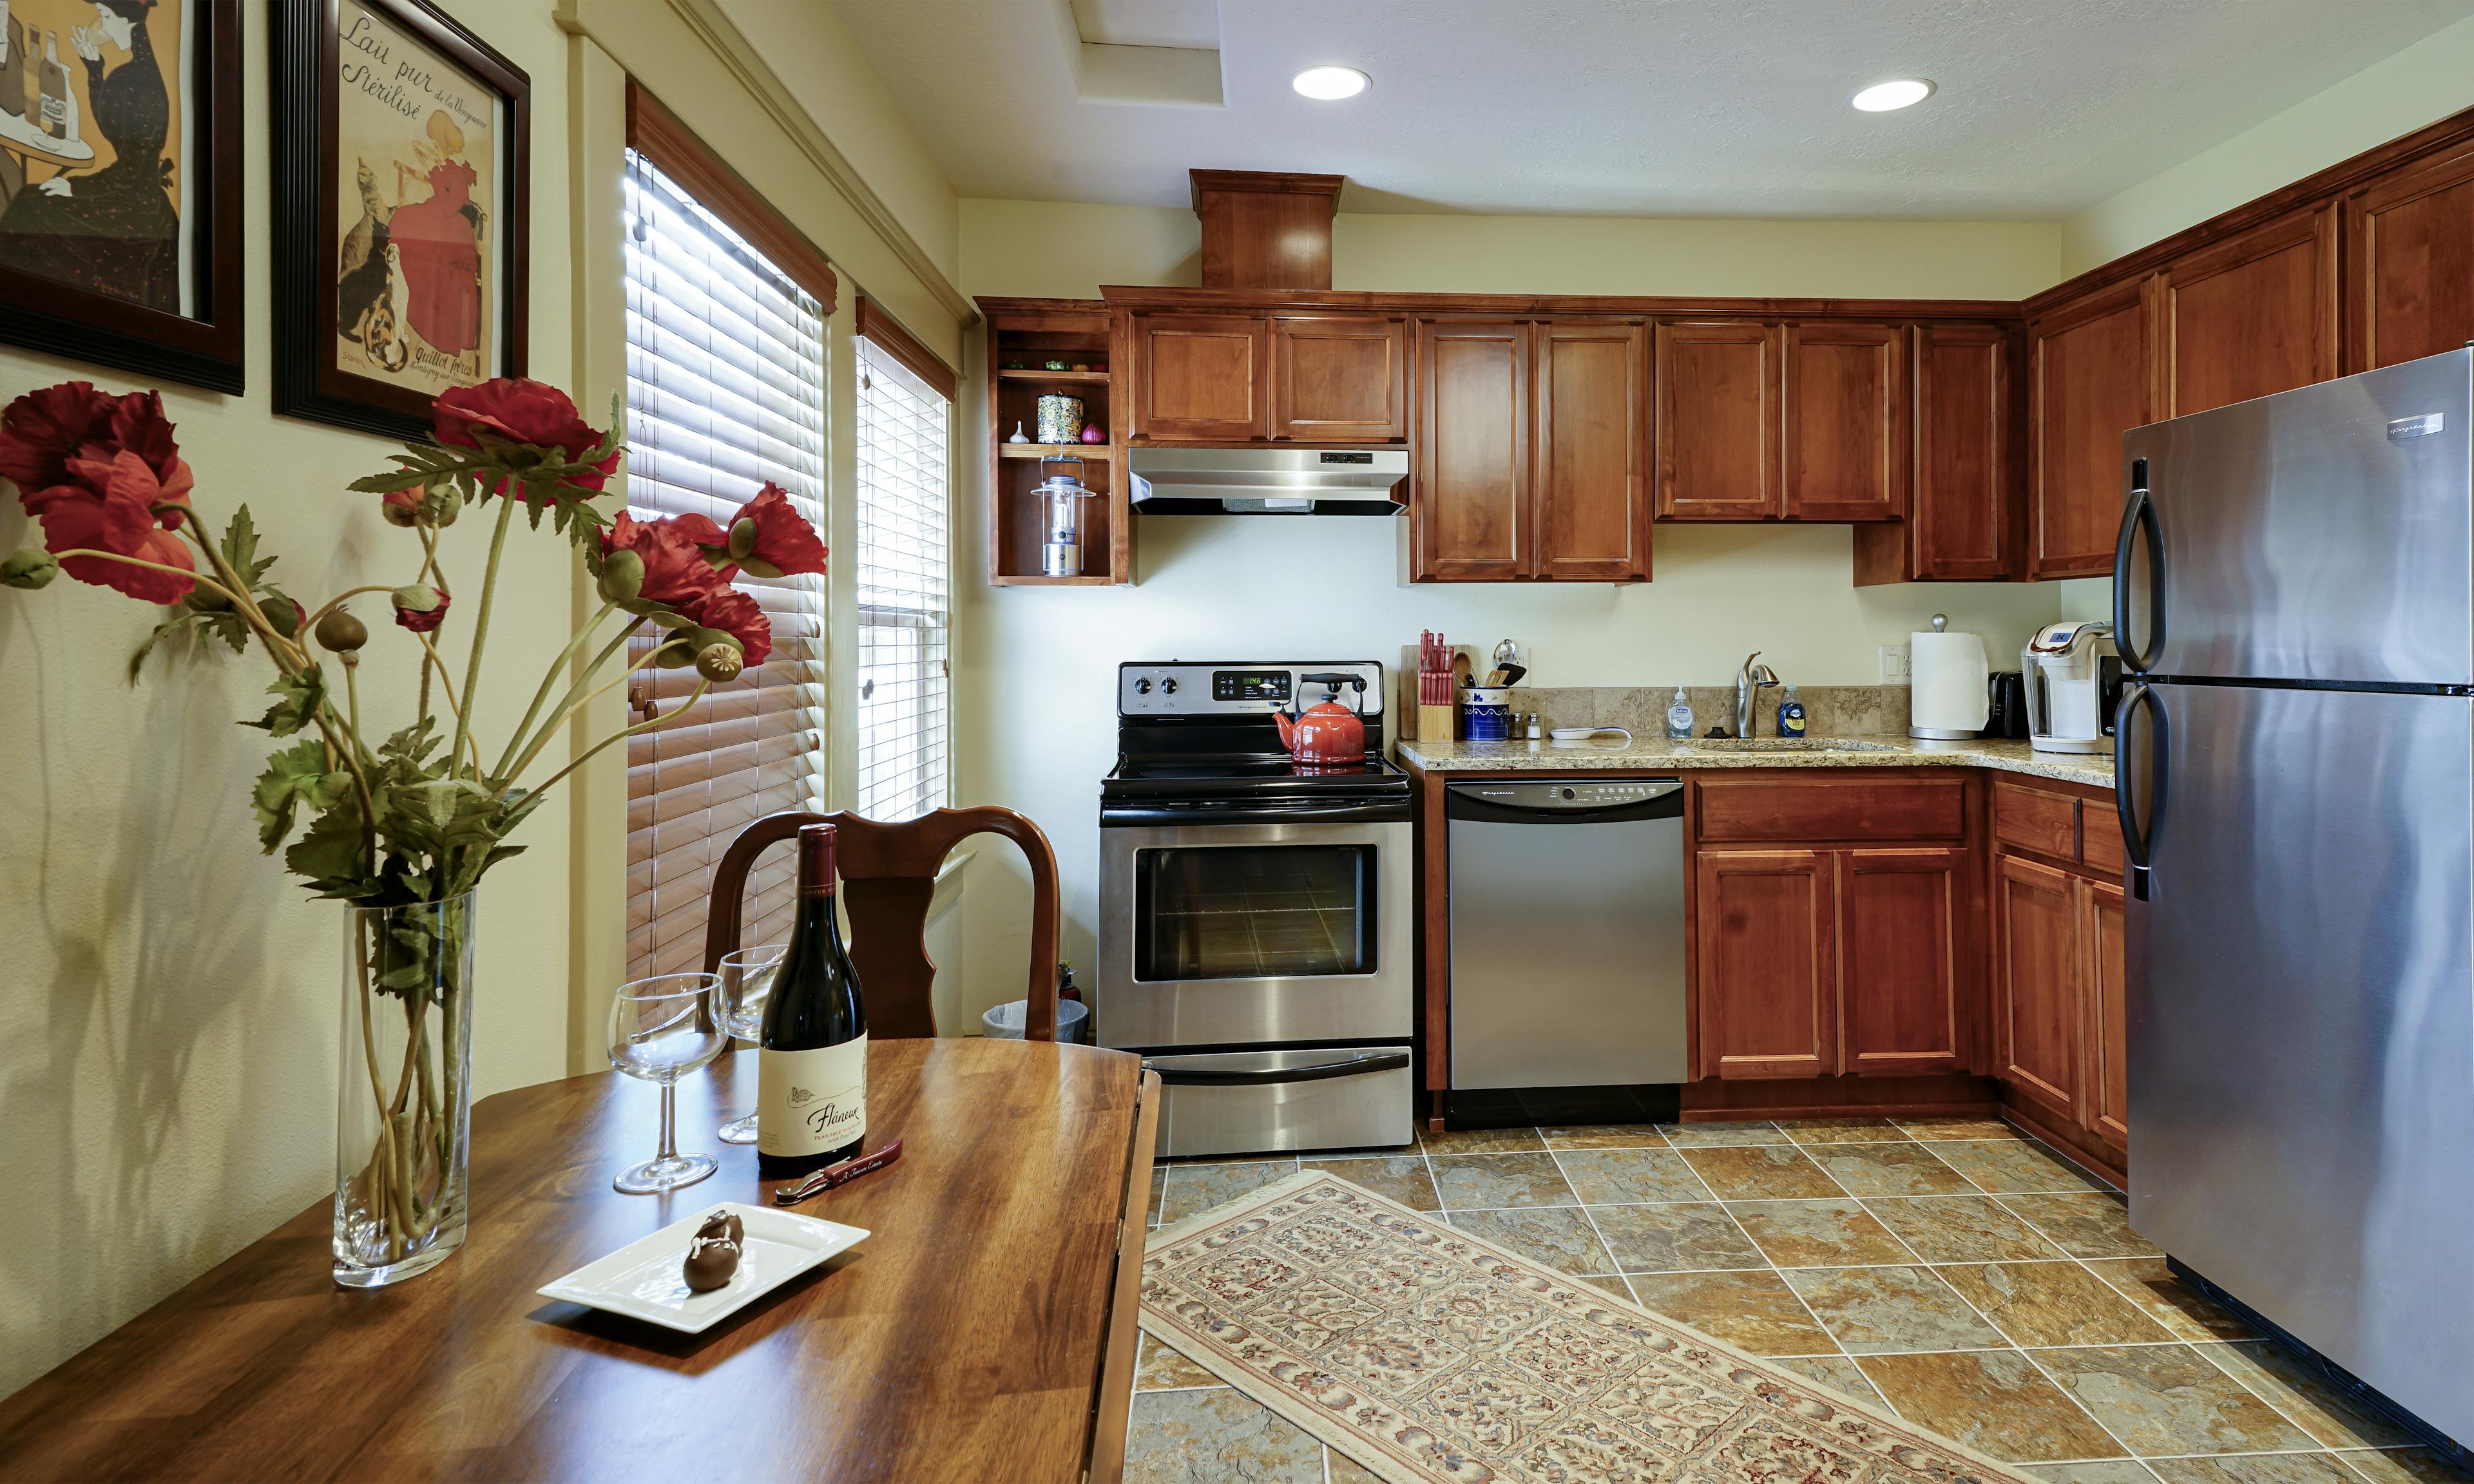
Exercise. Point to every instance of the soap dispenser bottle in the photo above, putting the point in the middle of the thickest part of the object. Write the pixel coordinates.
(1679, 718)
(1790, 715)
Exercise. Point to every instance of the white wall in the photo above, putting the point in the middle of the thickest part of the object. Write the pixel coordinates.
(1036, 676)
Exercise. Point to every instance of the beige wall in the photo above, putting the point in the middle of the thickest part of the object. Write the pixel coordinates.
(1035, 668)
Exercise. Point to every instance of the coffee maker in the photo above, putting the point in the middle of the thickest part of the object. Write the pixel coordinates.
(2073, 675)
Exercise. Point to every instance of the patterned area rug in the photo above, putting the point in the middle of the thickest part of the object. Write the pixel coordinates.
(1431, 1356)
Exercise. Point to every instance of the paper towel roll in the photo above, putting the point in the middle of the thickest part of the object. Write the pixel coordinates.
(1952, 685)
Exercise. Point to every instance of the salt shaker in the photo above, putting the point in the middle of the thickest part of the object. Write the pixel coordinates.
(1531, 732)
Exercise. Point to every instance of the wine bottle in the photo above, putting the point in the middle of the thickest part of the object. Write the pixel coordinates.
(55, 87)
(811, 1058)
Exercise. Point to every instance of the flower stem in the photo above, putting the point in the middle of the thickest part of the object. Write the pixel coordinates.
(338, 601)
(675, 712)
(447, 686)
(567, 704)
(548, 679)
(209, 583)
(481, 632)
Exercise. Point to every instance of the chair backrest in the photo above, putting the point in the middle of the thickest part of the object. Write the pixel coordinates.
(888, 875)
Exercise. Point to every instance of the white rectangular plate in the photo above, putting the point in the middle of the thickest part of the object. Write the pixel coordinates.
(642, 1279)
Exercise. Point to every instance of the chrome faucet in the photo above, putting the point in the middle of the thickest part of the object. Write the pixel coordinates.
(1749, 682)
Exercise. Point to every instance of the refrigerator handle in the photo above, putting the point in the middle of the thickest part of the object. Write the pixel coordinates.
(2138, 844)
(2139, 513)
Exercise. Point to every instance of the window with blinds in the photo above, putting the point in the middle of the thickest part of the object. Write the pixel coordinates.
(725, 390)
(904, 567)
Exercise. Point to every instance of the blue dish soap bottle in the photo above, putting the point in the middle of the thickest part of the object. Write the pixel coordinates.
(1679, 718)
(1790, 715)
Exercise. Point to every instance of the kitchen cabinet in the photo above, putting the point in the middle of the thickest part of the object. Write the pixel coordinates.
(1340, 379)
(2037, 925)
(1201, 377)
(1965, 497)
(2090, 366)
(2061, 982)
(1531, 454)
(2250, 316)
(2410, 261)
(1906, 942)
(1764, 935)
(1717, 424)
(2106, 1110)
(1843, 422)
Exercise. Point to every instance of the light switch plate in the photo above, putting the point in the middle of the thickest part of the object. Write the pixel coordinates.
(1895, 668)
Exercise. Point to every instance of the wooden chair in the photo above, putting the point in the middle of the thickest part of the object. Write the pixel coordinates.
(888, 875)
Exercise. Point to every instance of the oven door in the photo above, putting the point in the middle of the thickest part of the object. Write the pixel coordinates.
(1247, 934)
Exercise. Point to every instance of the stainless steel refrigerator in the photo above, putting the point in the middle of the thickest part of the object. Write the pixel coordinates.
(2294, 596)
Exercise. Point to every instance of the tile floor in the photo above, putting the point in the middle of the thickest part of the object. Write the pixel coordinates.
(1969, 1279)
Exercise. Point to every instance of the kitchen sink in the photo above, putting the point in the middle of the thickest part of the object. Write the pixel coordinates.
(1787, 745)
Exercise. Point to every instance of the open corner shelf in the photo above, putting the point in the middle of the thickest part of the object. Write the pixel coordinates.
(1068, 377)
(1089, 453)
(1037, 331)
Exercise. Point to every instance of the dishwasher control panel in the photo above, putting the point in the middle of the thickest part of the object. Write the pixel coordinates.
(1556, 794)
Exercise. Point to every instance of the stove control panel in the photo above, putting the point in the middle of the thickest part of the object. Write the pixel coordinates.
(1241, 687)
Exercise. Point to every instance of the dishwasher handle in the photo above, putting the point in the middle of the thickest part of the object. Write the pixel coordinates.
(1565, 800)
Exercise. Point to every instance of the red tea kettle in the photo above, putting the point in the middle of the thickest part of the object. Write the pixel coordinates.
(1327, 733)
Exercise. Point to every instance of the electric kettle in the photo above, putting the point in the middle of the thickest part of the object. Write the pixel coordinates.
(2073, 675)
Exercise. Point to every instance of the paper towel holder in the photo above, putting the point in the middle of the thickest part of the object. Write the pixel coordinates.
(1949, 676)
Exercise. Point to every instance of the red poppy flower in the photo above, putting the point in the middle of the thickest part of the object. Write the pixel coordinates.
(736, 613)
(421, 621)
(41, 431)
(139, 426)
(108, 505)
(520, 410)
(676, 572)
(785, 540)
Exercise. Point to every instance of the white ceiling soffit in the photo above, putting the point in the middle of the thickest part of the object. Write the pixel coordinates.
(1162, 52)
(1707, 108)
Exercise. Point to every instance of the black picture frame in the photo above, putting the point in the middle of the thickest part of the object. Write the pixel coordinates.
(308, 381)
(201, 350)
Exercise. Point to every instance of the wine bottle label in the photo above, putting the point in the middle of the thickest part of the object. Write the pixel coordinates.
(808, 1102)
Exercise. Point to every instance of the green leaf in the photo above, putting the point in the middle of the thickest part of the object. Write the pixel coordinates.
(329, 853)
(298, 698)
(240, 548)
(156, 635)
(294, 777)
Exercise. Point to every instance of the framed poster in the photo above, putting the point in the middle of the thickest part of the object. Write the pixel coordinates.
(120, 180)
(402, 216)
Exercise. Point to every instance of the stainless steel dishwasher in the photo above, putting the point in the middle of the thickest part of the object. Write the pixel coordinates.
(1566, 948)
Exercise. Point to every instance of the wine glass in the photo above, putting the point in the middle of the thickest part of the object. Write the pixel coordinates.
(661, 1029)
(746, 978)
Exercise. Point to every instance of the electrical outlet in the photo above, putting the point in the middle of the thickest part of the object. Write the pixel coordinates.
(1896, 666)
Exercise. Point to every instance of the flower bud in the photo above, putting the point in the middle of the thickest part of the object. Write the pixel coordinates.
(201, 601)
(414, 597)
(283, 615)
(342, 633)
(450, 504)
(743, 538)
(623, 575)
(720, 661)
(29, 569)
(402, 514)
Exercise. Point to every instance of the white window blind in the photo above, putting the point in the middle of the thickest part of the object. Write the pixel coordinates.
(725, 390)
(905, 589)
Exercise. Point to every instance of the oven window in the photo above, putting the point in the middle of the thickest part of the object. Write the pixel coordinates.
(1253, 912)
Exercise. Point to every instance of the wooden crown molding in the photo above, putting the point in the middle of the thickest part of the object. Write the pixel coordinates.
(1282, 183)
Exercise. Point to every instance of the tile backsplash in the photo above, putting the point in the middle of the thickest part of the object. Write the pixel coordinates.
(1830, 710)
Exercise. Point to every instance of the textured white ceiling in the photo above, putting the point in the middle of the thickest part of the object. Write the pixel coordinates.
(1714, 108)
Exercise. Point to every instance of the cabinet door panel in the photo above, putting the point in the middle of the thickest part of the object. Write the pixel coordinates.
(2091, 385)
(1593, 517)
(1843, 401)
(2251, 317)
(1717, 421)
(2107, 1098)
(1963, 512)
(1764, 955)
(1904, 960)
(1470, 507)
(1340, 379)
(2410, 262)
(1201, 376)
(2036, 923)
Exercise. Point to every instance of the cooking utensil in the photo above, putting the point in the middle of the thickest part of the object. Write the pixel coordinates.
(841, 1174)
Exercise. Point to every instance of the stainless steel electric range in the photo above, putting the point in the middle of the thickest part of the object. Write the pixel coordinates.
(1254, 913)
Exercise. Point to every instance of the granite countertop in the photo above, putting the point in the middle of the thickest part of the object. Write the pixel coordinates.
(1611, 750)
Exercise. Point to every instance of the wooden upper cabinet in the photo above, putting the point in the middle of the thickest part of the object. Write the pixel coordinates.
(2106, 1090)
(2250, 316)
(2038, 968)
(1340, 379)
(1201, 376)
(1764, 948)
(2092, 361)
(1964, 505)
(2410, 263)
(1590, 486)
(1469, 512)
(1717, 425)
(1843, 405)
(1907, 960)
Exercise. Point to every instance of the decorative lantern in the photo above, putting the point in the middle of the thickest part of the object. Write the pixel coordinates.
(1060, 495)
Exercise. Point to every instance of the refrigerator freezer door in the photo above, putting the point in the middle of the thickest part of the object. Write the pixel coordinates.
(2301, 1030)
(2322, 534)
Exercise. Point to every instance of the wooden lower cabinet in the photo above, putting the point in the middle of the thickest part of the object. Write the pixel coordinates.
(1822, 963)
(2061, 996)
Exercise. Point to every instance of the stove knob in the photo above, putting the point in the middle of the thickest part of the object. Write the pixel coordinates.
(1142, 687)
(1168, 687)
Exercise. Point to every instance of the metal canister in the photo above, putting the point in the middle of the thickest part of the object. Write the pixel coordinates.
(1060, 418)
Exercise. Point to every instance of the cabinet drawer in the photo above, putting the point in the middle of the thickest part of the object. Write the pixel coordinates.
(1809, 809)
(2034, 820)
(2100, 838)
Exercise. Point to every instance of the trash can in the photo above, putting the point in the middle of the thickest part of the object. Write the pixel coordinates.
(1004, 1021)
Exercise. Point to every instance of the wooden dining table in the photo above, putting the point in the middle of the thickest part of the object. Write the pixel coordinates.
(984, 1331)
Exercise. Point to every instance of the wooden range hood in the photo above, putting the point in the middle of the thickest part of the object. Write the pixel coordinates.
(1265, 228)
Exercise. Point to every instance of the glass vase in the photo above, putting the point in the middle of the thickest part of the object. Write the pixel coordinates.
(404, 1103)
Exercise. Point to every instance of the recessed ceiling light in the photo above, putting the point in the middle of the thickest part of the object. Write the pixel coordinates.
(1883, 97)
(1330, 84)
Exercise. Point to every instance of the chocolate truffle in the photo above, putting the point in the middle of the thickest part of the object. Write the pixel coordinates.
(713, 1253)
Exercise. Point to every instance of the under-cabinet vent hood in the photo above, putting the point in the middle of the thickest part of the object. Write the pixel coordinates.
(1263, 481)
